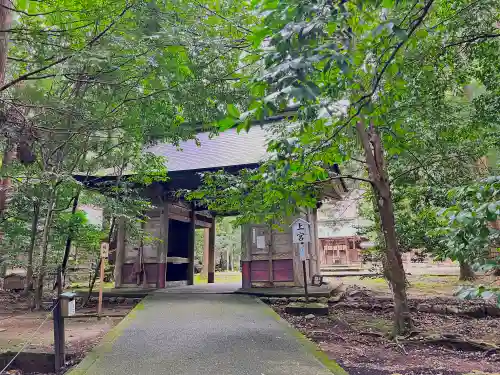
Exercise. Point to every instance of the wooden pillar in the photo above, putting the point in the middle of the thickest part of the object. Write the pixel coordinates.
(211, 252)
(346, 250)
(120, 252)
(206, 251)
(270, 246)
(191, 245)
(163, 247)
(298, 277)
(246, 257)
(314, 246)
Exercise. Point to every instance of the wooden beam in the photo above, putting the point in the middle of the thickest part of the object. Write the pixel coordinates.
(202, 224)
(120, 252)
(206, 250)
(187, 219)
(211, 252)
(163, 246)
(177, 260)
(191, 246)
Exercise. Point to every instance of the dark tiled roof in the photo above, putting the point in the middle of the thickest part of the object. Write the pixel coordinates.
(229, 148)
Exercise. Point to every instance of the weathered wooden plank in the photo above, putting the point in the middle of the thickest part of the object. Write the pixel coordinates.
(211, 252)
(163, 249)
(120, 252)
(177, 260)
(191, 246)
(206, 250)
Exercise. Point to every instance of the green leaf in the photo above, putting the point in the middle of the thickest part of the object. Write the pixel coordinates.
(233, 111)
(226, 123)
(421, 33)
(400, 33)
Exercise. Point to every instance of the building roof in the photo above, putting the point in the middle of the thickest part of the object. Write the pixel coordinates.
(229, 148)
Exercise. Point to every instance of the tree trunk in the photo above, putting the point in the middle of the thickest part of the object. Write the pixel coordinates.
(393, 264)
(5, 23)
(8, 156)
(466, 272)
(69, 239)
(34, 228)
(43, 251)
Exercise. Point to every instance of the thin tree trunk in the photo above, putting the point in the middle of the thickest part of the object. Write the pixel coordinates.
(8, 156)
(43, 250)
(466, 272)
(34, 229)
(5, 23)
(231, 261)
(69, 239)
(393, 264)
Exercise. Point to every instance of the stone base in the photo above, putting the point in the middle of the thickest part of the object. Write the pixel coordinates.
(302, 308)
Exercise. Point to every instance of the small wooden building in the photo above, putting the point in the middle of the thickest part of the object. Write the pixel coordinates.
(14, 282)
(340, 250)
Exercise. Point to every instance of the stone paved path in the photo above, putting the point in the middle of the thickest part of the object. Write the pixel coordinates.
(202, 333)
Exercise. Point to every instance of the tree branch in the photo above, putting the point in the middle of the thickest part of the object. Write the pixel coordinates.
(63, 59)
(224, 18)
(38, 14)
(472, 39)
(347, 177)
(378, 77)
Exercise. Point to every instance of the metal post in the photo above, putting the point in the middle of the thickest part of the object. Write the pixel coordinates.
(305, 280)
(58, 326)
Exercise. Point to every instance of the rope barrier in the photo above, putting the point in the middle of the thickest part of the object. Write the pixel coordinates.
(27, 342)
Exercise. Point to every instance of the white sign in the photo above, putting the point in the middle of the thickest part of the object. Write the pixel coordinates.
(300, 230)
(302, 252)
(261, 242)
(104, 249)
(71, 308)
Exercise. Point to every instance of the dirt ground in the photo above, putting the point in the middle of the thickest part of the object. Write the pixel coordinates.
(19, 325)
(356, 334)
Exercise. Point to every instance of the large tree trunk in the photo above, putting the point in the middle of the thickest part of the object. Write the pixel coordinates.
(34, 228)
(466, 272)
(43, 251)
(393, 264)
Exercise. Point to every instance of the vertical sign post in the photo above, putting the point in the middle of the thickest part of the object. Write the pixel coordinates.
(301, 236)
(104, 255)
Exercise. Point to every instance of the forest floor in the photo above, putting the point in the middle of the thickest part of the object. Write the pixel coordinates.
(451, 337)
(224, 277)
(420, 286)
(32, 331)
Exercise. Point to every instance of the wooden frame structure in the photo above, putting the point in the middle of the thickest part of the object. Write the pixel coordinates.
(340, 250)
(168, 259)
(277, 263)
